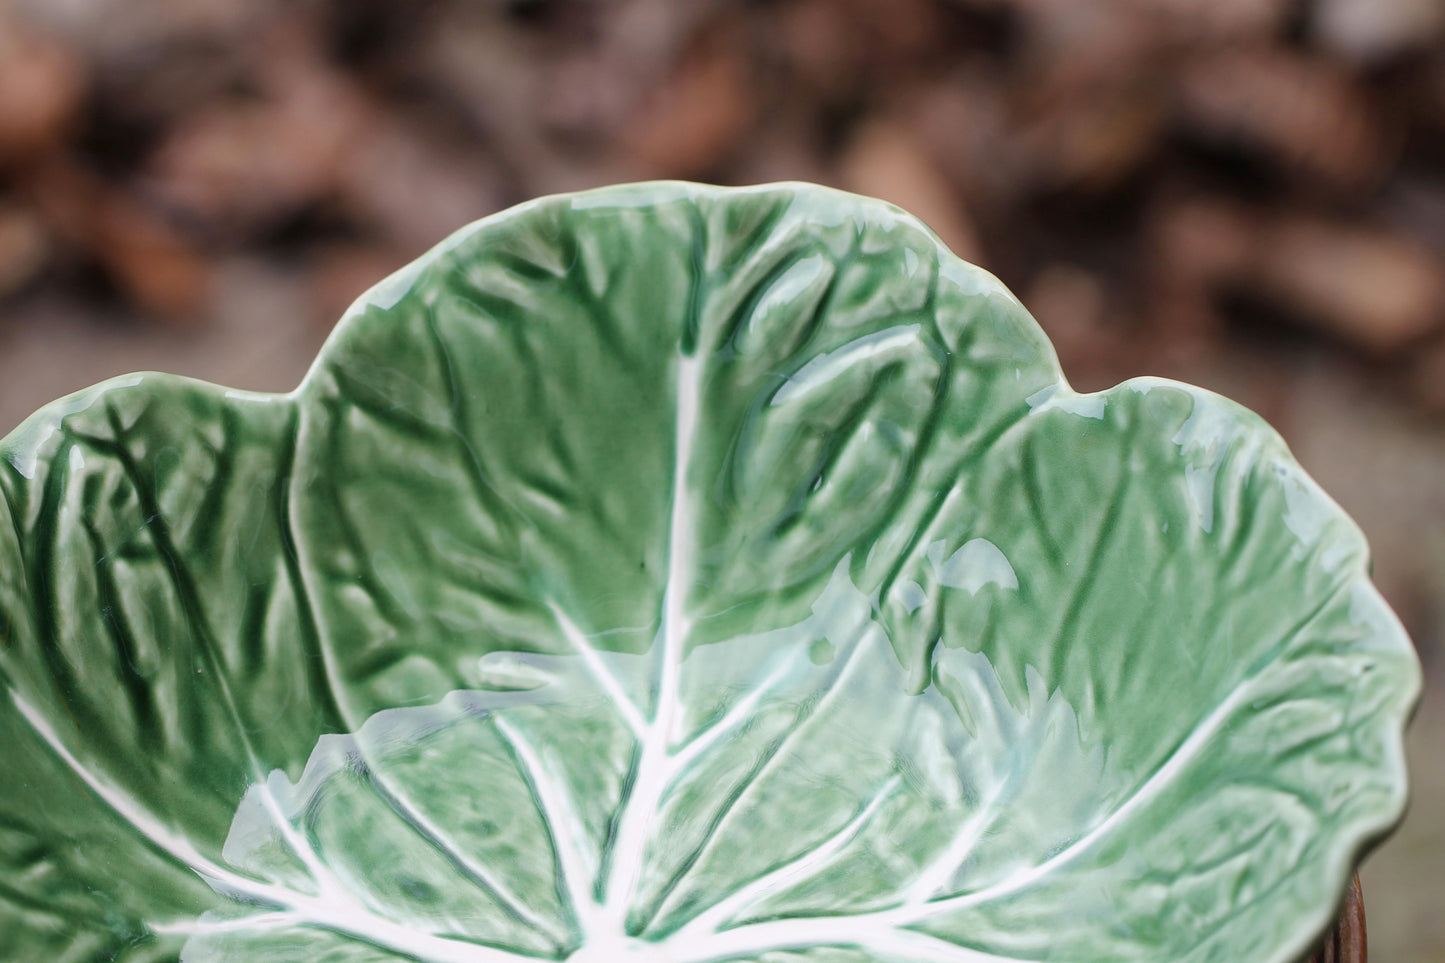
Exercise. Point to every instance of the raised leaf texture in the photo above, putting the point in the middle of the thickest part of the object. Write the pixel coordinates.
(679, 574)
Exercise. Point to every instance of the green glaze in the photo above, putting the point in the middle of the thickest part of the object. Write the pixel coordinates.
(671, 573)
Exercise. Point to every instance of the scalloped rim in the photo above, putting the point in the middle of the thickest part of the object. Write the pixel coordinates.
(20, 448)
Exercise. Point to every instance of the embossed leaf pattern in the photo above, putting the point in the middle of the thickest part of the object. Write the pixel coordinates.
(671, 573)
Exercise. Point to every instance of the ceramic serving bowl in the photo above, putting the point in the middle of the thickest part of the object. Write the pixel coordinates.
(673, 573)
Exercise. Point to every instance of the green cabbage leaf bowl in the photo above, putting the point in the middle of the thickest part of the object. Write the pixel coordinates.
(677, 574)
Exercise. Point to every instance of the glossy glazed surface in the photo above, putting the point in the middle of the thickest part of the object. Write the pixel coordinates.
(670, 573)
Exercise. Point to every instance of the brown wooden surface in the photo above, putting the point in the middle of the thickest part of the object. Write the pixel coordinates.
(1346, 942)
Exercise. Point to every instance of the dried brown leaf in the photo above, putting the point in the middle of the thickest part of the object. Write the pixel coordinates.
(1307, 115)
(42, 89)
(696, 120)
(885, 160)
(1378, 291)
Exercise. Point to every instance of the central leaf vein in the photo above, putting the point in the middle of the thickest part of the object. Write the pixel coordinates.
(649, 784)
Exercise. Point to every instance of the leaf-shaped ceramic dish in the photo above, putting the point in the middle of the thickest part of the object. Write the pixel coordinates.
(671, 573)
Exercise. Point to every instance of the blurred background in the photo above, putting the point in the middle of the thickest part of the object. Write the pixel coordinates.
(1245, 194)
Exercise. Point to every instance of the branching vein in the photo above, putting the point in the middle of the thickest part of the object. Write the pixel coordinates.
(784, 877)
(590, 657)
(563, 822)
(333, 911)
